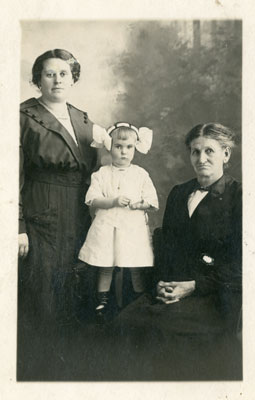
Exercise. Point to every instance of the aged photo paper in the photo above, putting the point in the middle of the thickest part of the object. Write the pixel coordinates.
(97, 33)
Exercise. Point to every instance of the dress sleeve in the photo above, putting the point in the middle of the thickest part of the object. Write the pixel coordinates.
(149, 193)
(227, 277)
(167, 238)
(22, 224)
(95, 189)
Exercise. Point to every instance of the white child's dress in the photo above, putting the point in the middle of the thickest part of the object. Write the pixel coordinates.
(120, 236)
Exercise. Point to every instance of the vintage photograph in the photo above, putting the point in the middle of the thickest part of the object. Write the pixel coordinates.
(130, 206)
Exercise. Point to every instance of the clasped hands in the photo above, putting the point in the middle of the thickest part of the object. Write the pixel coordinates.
(171, 292)
(123, 201)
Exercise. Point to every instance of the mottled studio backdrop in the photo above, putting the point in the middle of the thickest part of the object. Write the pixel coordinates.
(167, 75)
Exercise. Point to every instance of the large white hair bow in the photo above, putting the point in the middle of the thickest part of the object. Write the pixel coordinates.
(144, 141)
(102, 138)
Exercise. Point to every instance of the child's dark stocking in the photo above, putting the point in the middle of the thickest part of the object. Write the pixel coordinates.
(103, 289)
(137, 280)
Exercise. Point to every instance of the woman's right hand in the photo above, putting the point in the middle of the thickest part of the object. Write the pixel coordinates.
(23, 245)
(164, 291)
(170, 292)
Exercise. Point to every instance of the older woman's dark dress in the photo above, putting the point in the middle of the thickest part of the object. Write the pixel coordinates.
(205, 247)
(55, 174)
(194, 338)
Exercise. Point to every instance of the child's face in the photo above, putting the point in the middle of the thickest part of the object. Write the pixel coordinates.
(123, 151)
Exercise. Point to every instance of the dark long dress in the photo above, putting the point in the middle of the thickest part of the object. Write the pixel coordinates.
(194, 338)
(55, 175)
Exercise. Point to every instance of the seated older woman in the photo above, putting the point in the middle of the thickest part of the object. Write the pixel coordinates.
(190, 331)
(202, 224)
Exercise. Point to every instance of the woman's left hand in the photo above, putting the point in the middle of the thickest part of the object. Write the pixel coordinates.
(174, 291)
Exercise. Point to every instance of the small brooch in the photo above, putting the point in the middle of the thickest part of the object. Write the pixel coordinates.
(207, 259)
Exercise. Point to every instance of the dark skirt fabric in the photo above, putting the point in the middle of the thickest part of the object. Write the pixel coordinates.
(187, 340)
(145, 342)
(57, 221)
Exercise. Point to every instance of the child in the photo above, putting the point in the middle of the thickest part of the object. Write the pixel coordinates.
(121, 193)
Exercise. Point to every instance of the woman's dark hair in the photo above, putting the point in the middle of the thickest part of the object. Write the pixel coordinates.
(56, 53)
(225, 136)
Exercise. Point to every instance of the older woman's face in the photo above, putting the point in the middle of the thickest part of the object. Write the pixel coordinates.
(56, 80)
(208, 157)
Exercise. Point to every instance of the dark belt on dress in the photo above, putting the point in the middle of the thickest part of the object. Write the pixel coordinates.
(63, 178)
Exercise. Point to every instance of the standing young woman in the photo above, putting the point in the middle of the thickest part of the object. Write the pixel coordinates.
(56, 161)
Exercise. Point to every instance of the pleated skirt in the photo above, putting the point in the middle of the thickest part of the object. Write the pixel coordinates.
(57, 221)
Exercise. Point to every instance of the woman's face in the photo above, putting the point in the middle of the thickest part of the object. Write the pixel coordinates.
(56, 80)
(208, 157)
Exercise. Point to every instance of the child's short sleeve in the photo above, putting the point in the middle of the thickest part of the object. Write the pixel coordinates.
(95, 189)
(149, 193)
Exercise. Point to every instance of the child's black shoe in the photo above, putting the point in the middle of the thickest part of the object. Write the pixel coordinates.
(102, 309)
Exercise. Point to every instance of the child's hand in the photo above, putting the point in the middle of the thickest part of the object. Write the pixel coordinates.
(135, 206)
(122, 201)
(139, 205)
